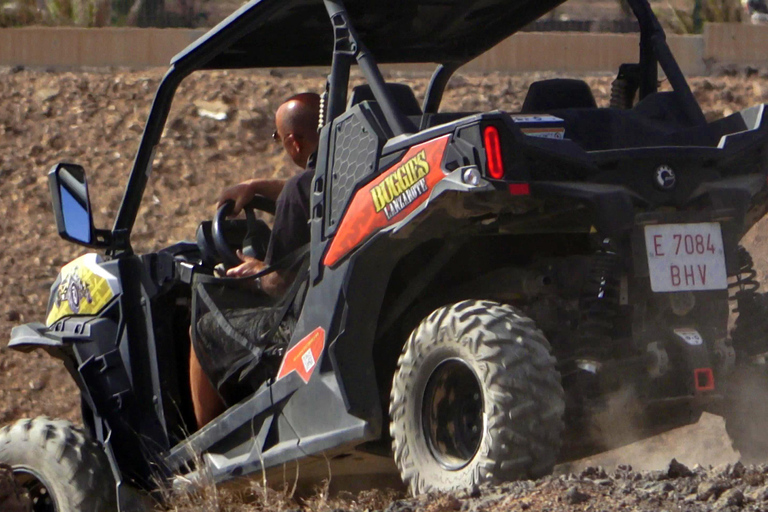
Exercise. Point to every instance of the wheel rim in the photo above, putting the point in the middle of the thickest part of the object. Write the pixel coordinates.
(452, 414)
(38, 489)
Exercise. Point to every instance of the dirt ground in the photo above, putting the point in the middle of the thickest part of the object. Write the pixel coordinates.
(218, 133)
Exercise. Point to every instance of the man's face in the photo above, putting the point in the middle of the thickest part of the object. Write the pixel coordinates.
(280, 138)
(290, 141)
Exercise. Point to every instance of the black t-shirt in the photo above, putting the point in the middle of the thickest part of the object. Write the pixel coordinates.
(291, 227)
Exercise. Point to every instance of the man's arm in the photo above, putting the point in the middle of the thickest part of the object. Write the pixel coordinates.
(242, 193)
(289, 232)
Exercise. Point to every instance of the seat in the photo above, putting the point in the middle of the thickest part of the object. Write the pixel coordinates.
(556, 94)
(401, 93)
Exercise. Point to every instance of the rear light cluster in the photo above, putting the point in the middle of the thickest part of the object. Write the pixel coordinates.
(493, 152)
(495, 164)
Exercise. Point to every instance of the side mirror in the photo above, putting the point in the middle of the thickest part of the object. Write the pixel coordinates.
(72, 207)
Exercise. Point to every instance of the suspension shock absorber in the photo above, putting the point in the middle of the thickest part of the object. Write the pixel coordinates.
(751, 326)
(624, 87)
(599, 303)
(619, 93)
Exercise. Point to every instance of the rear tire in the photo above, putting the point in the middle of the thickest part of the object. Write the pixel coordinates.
(476, 398)
(746, 413)
(62, 470)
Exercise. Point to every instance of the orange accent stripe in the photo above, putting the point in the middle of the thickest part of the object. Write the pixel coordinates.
(368, 211)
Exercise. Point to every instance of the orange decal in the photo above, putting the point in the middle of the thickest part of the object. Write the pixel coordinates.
(389, 198)
(302, 358)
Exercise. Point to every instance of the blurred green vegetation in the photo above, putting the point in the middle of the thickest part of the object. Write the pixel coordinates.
(680, 17)
(690, 19)
(101, 13)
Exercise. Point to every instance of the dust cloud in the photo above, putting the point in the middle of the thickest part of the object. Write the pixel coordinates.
(705, 443)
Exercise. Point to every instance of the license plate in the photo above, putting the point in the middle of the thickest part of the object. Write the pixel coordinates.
(686, 257)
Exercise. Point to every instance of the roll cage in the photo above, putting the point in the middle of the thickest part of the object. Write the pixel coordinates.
(359, 31)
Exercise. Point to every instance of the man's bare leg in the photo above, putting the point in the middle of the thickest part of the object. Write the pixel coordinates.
(205, 400)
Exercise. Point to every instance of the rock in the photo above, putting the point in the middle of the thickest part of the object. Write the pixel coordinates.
(731, 497)
(677, 470)
(46, 94)
(753, 478)
(661, 487)
(593, 472)
(56, 141)
(450, 502)
(691, 498)
(709, 489)
(178, 124)
(216, 110)
(759, 494)
(574, 496)
(399, 506)
(737, 470)
(722, 470)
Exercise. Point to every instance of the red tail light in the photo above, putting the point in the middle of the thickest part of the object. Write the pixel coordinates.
(493, 152)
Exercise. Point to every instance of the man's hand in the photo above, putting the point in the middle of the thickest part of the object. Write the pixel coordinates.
(242, 193)
(274, 284)
(248, 267)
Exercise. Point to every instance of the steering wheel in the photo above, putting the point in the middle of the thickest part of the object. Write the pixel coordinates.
(256, 237)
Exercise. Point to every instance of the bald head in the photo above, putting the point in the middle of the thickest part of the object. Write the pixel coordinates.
(296, 122)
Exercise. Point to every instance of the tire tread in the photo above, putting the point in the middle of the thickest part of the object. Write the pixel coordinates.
(78, 464)
(523, 389)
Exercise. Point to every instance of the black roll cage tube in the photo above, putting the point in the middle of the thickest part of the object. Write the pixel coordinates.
(347, 46)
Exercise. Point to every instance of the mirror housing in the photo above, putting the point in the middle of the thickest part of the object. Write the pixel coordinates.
(72, 207)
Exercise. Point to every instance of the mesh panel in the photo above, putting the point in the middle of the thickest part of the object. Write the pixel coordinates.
(355, 154)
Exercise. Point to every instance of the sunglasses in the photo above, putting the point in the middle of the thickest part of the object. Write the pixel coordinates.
(279, 139)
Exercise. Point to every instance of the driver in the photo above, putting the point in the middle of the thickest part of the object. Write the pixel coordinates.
(296, 123)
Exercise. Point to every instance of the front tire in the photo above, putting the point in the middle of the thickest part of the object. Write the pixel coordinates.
(61, 469)
(476, 398)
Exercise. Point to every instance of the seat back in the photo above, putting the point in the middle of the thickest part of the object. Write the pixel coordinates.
(558, 93)
(401, 93)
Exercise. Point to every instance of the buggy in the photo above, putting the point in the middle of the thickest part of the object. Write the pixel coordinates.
(480, 291)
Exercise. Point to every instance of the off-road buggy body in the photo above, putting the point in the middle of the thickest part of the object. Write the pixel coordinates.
(449, 252)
